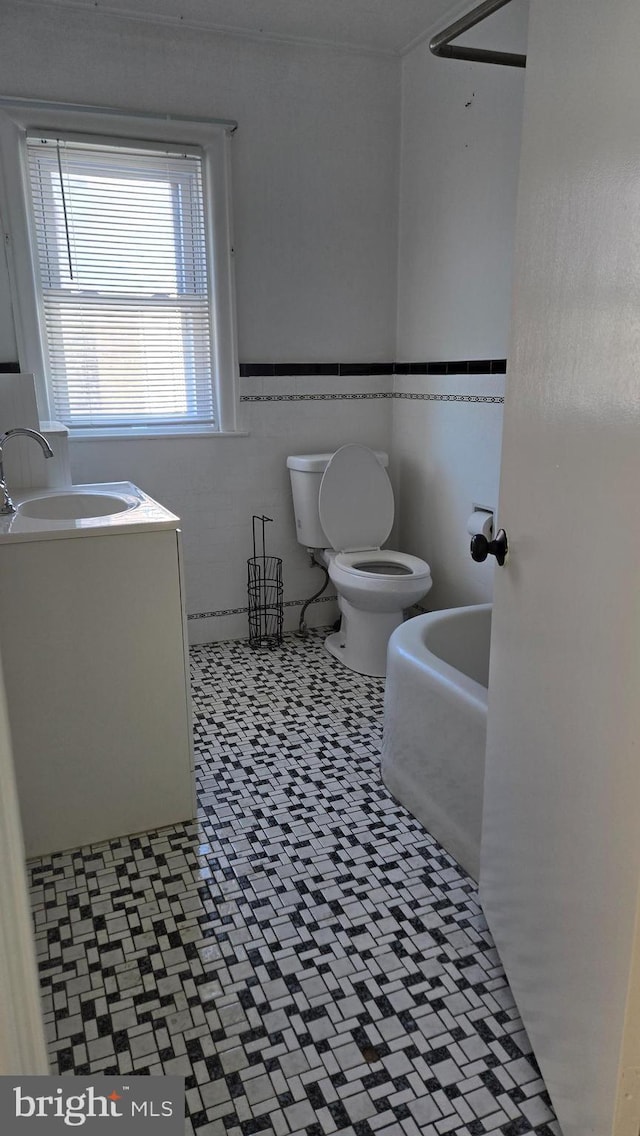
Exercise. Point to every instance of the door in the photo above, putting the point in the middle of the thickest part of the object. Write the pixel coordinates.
(561, 835)
(22, 1047)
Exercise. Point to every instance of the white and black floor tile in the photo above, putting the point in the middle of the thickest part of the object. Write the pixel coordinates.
(305, 954)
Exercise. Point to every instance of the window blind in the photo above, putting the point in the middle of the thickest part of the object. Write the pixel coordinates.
(122, 259)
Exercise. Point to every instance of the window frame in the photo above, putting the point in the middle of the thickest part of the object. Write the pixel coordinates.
(20, 117)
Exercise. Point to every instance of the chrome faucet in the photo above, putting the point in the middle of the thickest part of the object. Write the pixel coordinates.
(6, 504)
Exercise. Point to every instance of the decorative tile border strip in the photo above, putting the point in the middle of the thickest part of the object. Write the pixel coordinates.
(377, 394)
(446, 367)
(244, 610)
(347, 395)
(449, 397)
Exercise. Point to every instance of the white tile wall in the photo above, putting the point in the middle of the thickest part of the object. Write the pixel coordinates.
(215, 484)
(445, 458)
(24, 462)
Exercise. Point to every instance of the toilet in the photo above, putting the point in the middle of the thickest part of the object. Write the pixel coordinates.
(343, 505)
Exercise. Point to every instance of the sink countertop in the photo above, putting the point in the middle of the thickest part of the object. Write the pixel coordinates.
(147, 515)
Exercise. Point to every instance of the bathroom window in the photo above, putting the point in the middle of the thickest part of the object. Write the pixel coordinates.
(122, 269)
(132, 303)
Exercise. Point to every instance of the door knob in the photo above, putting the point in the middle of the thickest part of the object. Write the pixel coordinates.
(481, 547)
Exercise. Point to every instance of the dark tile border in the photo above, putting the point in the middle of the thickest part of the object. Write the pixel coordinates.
(269, 370)
(302, 370)
(366, 368)
(444, 367)
(454, 367)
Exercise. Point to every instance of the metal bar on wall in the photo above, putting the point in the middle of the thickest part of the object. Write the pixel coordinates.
(441, 44)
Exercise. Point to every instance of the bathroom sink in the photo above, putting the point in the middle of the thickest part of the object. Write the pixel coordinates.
(75, 506)
(93, 509)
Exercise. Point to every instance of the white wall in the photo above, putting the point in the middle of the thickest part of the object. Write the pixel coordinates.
(8, 349)
(315, 167)
(461, 127)
(314, 161)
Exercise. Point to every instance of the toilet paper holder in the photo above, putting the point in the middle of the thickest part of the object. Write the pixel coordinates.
(481, 521)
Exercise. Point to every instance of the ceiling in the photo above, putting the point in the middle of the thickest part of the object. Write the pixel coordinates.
(386, 26)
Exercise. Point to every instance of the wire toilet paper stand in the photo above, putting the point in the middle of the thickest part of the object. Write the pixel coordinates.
(265, 591)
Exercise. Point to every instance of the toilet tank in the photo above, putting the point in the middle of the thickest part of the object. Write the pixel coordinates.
(305, 471)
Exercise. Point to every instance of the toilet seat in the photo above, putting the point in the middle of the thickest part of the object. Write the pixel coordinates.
(374, 585)
(355, 501)
(382, 564)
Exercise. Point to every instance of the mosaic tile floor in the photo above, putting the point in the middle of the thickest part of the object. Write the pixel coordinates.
(305, 954)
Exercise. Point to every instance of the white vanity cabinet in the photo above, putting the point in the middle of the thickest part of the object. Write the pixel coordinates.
(93, 646)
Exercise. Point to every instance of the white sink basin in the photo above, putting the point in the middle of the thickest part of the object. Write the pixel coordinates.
(75, 506)
(83, 510)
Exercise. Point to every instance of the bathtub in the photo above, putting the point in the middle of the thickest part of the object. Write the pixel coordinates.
(435, 724)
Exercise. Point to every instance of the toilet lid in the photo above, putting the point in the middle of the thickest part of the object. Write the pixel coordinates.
(356, 500)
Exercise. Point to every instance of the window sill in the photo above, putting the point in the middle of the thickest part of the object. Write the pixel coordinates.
(152, 434)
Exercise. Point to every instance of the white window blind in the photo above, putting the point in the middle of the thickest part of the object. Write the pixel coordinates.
(122, 258)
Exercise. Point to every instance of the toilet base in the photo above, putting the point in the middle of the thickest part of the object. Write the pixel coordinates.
(361, 642)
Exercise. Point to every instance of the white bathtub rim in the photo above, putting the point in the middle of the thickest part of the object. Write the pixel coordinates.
(407, 643)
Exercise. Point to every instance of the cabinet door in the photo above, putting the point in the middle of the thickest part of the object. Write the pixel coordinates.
(92, 631)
